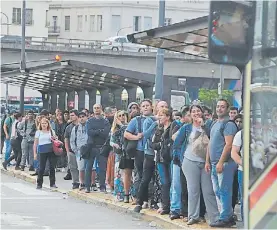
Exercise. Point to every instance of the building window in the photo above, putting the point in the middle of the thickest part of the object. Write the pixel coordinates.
(29, 17)
(167, 21)
(92, 23)
(67, 23)
(47, 23)
(137, 23)
(80, 23)
(16, 18)
(147, 23)
(116, 23)
(99, 22)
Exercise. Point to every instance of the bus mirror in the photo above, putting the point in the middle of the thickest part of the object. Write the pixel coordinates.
(231, 31)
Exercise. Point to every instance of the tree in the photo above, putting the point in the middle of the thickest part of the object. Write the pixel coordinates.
(210, 96)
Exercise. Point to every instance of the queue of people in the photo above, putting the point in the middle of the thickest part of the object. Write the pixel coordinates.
(180, 163)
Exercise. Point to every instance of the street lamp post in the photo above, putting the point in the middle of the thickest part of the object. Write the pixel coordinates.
(160, 57)
(117, 33)
(23, 56)
(7, 19)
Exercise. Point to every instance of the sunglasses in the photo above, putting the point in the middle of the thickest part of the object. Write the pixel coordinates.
(96, 107)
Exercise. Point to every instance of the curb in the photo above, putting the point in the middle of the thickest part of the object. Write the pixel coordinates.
(147, 215)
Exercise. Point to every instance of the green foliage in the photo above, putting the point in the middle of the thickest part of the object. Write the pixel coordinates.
(209, 97)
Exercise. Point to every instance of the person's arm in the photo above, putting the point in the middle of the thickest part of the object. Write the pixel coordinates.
(35, 146)
(235, 155)
(131, 128)
(5, 127)
(92, 132)
(229, 133)
(20, 129)
(67, 139)
(208, 164)
(72, 140)
(106, 130)
(148, 126)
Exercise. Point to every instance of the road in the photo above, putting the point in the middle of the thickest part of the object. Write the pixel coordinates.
(25, 207)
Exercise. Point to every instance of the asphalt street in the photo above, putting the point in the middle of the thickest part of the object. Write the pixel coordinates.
(25, 207)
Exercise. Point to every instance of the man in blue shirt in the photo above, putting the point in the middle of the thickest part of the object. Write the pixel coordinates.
(220, 163)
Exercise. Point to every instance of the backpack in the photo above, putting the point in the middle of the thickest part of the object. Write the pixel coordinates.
(2, 126)
(223, 126)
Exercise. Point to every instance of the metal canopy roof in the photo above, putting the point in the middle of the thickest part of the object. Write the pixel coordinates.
(74, 75)
(188, 37)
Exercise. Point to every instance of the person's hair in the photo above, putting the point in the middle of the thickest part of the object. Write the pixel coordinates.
(206, 108)
(66, 111)
(166, 112)
(17, 115)
(185, 110)
(75, 111)
(197, 106)
(238, 116)
(133, 115)
(30, 112)
(214, 117)
(47, 121)
(108, 110)
(234, 108)
(114, 125)
(146, 100)
(56, 118)
(227, 103)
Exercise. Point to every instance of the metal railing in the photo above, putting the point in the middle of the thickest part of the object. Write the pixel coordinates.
(91, 46)
(54, 30)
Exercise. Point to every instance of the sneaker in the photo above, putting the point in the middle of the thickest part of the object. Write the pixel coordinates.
(87, 190)
(53, 186)
(75, 185)
(94, 187)
(82, 187)
(174, 215)
(223, 224)
(34, 174)
(31, 169)
(22, 168)
(39, 186)
(5, 165)
(17, 168)
(145, 205)
(138, 208)
(68, 177)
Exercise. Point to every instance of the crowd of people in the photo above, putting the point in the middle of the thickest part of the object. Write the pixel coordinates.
(184, 163)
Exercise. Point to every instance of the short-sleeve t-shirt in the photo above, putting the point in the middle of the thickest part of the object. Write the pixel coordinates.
(217, 140)
(133, 128)
(67, 133)
(9, 121)
(238, 142)
(43, 137)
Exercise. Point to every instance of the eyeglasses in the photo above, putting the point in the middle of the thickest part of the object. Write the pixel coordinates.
(121, 115)
(96, 107)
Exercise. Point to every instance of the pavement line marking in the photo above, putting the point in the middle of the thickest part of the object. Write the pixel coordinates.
(25, 189)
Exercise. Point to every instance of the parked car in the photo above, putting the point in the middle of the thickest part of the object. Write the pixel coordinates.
(122, 43)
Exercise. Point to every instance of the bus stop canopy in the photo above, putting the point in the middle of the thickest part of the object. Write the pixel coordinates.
(188, 37)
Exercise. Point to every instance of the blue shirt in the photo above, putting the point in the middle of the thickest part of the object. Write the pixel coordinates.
(217, 140)
(133, 129)
(149, 126)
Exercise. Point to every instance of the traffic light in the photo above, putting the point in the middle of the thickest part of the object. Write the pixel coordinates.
(58, 58)
(215, 21)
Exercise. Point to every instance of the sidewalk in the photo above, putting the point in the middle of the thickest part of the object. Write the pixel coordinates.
(105, 200)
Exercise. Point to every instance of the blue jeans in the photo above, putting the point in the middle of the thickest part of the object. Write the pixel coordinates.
(240, 180)
(164, 172)
(175, 189)
(223, 188)
(8, 149)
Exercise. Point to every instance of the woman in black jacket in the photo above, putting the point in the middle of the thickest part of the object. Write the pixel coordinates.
(162, 145)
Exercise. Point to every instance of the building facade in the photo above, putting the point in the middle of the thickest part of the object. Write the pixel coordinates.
(95, 20)
(11, 17)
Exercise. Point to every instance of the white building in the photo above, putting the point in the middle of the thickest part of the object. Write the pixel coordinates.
(11, 14)
(99, 20)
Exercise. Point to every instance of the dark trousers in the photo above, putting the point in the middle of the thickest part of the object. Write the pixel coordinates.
(52, 164)
(235, 190)
(147, 174)
(17, 152)
(184, 194)
(89, 165)
(139, 159)
(102, 163)
(164, 172)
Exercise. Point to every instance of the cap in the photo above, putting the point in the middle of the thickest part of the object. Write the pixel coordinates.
(44, 112)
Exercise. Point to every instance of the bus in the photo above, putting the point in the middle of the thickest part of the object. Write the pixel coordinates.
(244, 34)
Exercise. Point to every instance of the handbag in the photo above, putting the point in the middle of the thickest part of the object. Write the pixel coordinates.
(106, 148)
(57, 146)
(200, 144)
(85, 151)
(46, 148)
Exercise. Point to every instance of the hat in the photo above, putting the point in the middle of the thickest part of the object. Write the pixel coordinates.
(44, 112)
(131, 104)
